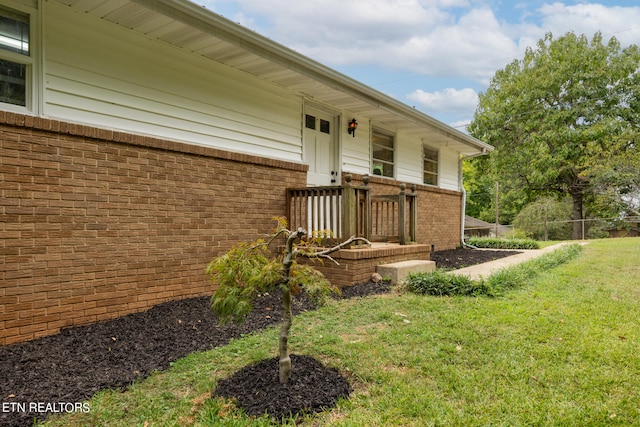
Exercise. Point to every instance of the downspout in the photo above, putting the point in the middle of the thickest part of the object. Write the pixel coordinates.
(464, 197)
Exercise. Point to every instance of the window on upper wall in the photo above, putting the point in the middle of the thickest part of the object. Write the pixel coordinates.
(383, 158)
(15, 57)
(430, 165)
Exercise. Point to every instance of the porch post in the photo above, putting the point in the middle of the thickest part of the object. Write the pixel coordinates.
(349, 202)
(402, 199)
(413, 214)
(367, 208)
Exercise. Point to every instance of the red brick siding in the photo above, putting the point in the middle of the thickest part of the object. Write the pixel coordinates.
(98, 224)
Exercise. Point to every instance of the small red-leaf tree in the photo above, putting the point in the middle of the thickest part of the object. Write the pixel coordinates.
(249, 269)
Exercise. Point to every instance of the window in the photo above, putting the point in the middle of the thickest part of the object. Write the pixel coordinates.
(15, 57)
(325, 126)
(310, 121)
(383, 150)
(430, 165)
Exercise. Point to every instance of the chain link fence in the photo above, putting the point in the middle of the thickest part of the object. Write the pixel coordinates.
(589, 228)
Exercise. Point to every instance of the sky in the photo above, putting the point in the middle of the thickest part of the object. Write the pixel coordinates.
(434, 55)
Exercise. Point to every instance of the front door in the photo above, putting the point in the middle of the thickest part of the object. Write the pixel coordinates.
(320, 148)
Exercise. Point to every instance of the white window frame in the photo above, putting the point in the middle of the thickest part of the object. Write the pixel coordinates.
(436, 162)
(378, 131)
(31, 61)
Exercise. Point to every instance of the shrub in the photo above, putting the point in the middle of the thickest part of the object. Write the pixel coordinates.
(439, 283)
(495, 243)
(546, 219)
(250, 268)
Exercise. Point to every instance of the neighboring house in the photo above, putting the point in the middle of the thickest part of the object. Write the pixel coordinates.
(142, 138)
(474, 227)
(631, 228)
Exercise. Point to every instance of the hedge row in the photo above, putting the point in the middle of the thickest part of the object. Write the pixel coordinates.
(495, 243)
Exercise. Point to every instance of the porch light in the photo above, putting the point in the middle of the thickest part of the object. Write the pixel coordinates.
(353, 125)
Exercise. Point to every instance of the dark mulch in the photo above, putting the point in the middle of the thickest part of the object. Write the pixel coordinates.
(312, 388)
(460, 258)
(71, 366)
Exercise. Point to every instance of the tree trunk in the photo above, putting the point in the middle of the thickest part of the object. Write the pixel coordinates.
(577, 215)
(289, 256)
(285, 360)
(283, 347)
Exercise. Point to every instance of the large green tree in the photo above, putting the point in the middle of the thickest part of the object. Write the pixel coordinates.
(564, 120)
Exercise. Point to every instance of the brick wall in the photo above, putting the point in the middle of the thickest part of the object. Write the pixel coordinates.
(98, 224)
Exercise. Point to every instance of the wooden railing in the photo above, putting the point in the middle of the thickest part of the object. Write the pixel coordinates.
(336, 212)
(394, 217)
(339, 212)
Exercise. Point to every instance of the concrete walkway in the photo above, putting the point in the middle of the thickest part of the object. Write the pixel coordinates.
(485, 270)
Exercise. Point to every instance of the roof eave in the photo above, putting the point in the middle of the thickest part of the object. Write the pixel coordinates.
(220, 27)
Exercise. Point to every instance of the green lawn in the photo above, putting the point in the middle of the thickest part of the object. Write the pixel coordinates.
(562, 351)
(544, 244)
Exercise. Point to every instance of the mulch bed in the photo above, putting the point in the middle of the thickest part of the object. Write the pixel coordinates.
(460, 258)
(71, 366)
(313, 387)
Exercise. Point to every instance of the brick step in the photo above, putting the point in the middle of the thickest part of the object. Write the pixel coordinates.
(398, 271)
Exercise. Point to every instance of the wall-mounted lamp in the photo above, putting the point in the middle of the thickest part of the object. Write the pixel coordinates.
(353, 125)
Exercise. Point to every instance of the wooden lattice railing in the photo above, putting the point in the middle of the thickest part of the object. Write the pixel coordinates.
(394, 217)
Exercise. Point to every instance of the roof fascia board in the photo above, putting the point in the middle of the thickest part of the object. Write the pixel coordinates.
(205, 20)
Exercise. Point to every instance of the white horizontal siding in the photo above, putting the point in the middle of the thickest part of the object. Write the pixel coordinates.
(356, 151)
(356, 158)
(448, 172)
(98, 74)
(408, 159)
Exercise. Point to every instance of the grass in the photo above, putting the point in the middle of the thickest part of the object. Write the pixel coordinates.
(519, 275)
(564, 350)
(545, 243)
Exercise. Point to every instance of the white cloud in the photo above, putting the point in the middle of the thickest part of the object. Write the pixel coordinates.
(474, 46)
(449, 100)
(621, 22)
(396, 34)
(342, 23)
(461, 125)
(433, 38)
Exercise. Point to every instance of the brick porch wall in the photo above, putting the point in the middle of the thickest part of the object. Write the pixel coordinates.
(97, 224)
(439, 215)
(357, 265)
